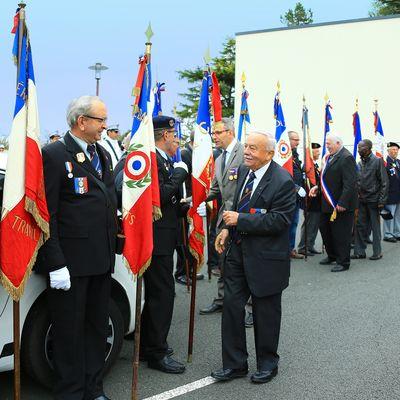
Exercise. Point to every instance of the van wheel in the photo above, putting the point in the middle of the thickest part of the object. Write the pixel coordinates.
(37, 342)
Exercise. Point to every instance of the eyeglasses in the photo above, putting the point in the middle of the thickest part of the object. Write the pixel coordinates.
(102, 120)
(219, 132)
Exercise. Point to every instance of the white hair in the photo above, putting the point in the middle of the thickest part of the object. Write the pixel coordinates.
(80, 106)
(335, 137)
(271, 142)
(228, 124)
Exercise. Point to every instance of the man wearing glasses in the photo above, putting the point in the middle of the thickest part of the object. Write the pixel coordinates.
(79, 256)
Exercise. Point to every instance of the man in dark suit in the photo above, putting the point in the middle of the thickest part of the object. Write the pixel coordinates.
(158, 278)
(257, 260)
(338, 203)
(79, 256)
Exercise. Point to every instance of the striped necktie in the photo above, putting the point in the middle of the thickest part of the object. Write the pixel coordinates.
(94, 159)
(243, 205)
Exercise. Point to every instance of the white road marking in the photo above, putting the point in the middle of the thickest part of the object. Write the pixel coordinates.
(179, 391)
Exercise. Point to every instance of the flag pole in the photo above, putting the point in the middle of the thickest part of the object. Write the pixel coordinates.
(138, 308)
(305, 180)
(16, 308)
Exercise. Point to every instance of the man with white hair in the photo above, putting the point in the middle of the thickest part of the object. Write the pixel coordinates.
(79, 257)
(338, 203)
(257, 259)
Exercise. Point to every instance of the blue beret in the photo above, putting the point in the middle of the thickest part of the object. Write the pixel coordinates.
(163, 122)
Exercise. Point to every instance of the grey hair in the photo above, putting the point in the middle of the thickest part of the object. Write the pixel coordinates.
(335, 137)
(80, 106)
(290, 134)
(228, 124)
(271, 142)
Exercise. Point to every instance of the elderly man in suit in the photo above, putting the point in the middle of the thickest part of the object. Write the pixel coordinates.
(257, 260)
(79, 256)
(223, 185)
(338, 203)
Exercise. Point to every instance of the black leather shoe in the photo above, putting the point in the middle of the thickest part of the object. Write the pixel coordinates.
(264, 376)
(168, 353)
(327, 261)
(211, 309)
(248, 320)
(303, 252)
(358, 256)
(368, 241)
(168, 365)
(339, 268)
(182, 280)
(390, 239)
(315, 251)
(377, 257)
(224, 375)
(102, 398)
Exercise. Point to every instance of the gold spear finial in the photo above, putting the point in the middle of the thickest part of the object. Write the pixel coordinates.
(278, 85)
(243, 79)
(376, 104)
(326, 98)
(149, 33)
(357, 104)
(207, 56)
(304, 99)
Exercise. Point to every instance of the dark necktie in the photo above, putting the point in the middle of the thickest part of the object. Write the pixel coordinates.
(243, 204)
(94, 159)
(223, 163)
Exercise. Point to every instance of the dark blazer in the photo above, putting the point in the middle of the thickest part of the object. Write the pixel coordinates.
(314, 203)
(265, 235)
(340, 177)
(83, 226)
(393, 171)
(165, 230)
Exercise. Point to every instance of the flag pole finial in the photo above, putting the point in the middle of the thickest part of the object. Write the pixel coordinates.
(149, 34)
(207, 56)
(326, 98)
(376, 105)
(357, 104)
(278, 86)
(243, 79)
(304, 99)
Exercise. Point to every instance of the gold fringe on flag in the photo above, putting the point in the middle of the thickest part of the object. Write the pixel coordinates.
(31, 207)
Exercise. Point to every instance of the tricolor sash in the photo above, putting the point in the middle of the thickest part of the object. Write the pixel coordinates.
(325, 190)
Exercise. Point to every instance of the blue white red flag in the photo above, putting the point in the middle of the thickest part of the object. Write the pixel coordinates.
(283, 153)
(24, 219)
(244, 119)
(379, 143)
(327, 125)
(202, 171)
(357, 133)
(160, 87)
(177, 156)
(140, 191)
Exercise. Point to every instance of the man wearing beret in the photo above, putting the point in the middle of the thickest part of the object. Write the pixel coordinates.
(391, 228)
(159, 281)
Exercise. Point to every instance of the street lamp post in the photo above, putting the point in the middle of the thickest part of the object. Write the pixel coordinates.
(98, 67)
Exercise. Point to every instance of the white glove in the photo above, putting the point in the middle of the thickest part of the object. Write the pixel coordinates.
(202, 209)
(301, 192)
(60, 279)
(181, 164)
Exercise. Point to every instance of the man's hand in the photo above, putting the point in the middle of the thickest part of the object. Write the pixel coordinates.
(230, 217)
(340, 208)
(220, 241)
(202, 209)
(60, 279)
(181, 164)
(313, 191)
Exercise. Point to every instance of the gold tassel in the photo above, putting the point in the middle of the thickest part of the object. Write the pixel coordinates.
(334, 215)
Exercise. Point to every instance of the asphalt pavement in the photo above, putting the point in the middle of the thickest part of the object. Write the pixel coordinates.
(340, 339)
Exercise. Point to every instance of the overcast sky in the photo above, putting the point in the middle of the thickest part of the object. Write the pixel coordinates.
(69, 36)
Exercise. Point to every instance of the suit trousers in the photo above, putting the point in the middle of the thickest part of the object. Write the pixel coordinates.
(337, 235)
(312, 230)
(158, 307)
(391, 227)
(293, 227)
(368, 217)
(266, 316)
(79, 319)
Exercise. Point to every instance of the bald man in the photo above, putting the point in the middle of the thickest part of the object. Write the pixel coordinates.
(256, 237)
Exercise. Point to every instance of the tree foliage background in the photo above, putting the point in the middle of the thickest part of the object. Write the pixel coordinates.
(297, 16)
(224, 66)
(385, 7)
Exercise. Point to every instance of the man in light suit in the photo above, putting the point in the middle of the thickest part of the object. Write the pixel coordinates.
(257, 259)
(224, 185)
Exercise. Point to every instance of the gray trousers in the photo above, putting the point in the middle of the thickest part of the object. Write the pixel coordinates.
(312, 230)
(368, 213)
(392, 226)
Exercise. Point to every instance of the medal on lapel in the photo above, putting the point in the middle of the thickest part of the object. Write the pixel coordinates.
(81, 185)
(68, 167)
(232, 174)
(80, 157)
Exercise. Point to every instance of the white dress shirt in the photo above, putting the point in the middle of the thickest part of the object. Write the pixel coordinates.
(229, 150)
(259, 174)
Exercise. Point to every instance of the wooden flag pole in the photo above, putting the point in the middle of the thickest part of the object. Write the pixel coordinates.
(16, 308)
(192, 312)
(305, 145)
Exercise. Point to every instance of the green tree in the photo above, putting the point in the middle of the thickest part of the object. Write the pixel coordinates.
(224, 67)
(385, 7)
(297, 16)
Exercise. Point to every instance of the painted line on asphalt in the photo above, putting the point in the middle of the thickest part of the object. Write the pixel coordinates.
(179, 391)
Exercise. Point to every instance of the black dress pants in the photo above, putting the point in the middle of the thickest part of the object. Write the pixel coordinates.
(266, 316)
(79, 319)
(158, 307)
(337, 235)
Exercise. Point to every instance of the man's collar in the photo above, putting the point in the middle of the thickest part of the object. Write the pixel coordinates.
(232, 144)
(163, 153)
(261, 171)
(81, 143)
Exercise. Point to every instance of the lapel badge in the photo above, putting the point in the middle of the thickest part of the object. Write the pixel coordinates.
(80, 157)
(233, 174)
(68, 167)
